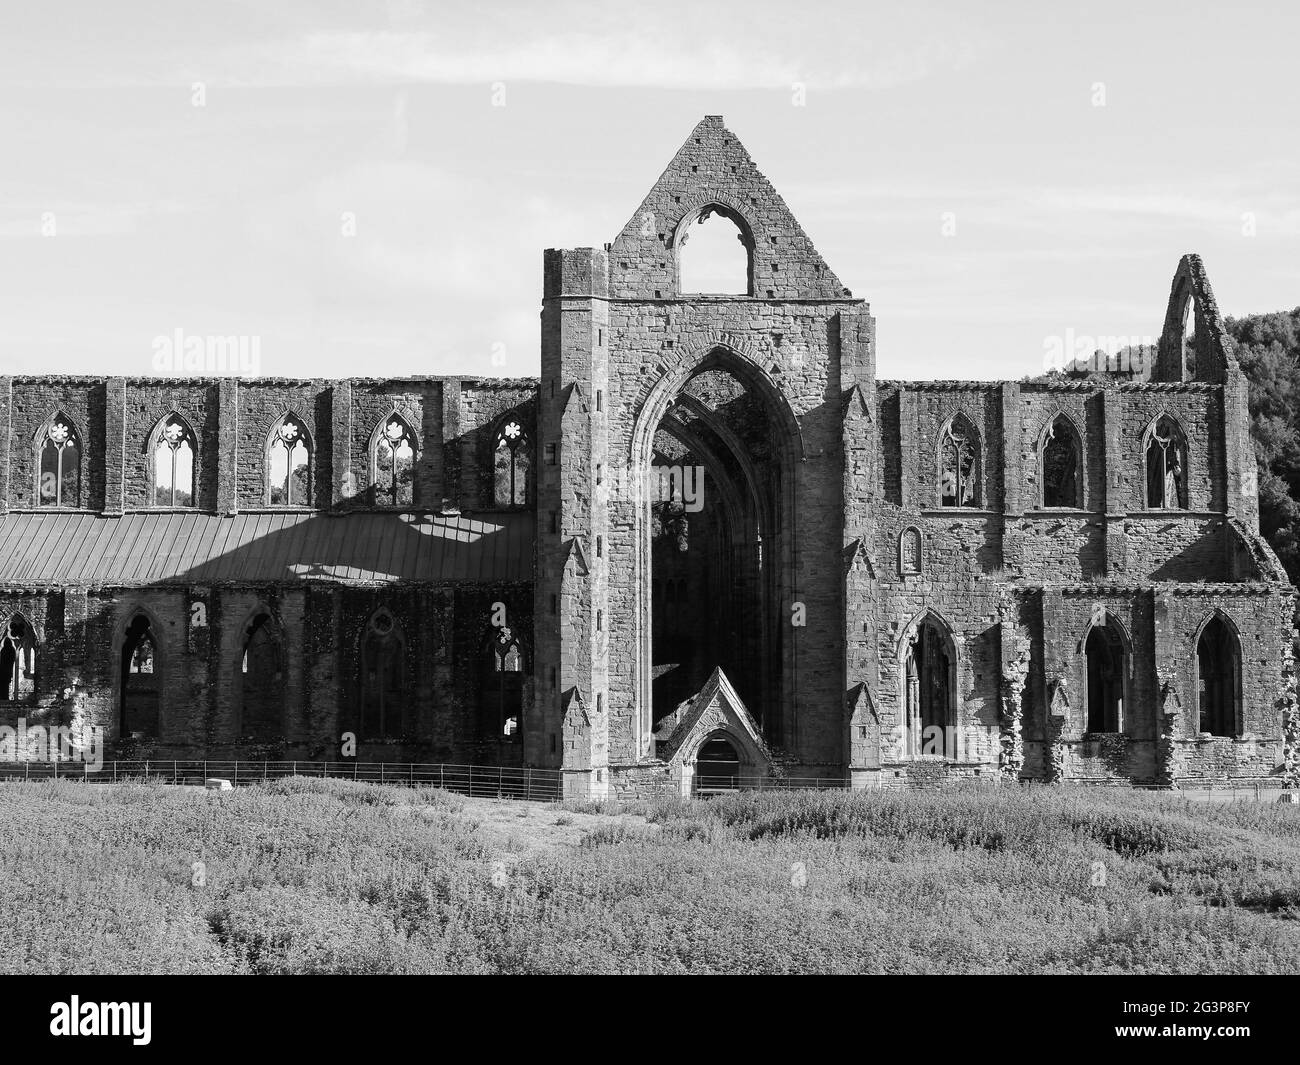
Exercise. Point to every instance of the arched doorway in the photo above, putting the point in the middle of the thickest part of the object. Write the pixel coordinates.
(261, 680)
(1218, 658)
(717, 766)
(1104, 649)
(930, 689)
(140, 681)
(715, 449)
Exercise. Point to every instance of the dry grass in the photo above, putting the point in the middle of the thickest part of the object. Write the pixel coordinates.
(330, 876)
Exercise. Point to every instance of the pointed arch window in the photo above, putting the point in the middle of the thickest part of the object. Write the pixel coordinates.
(1218, 660)
(173, 463)
(1166, 458)
(140, 680)
(18, 662)
(383, 677)
(909, 552)
(261, 680)
(959, 464)
(1061, 465)
(393, 463)
(289, 464)
(502, 707)
(59, 454)
(930, 693)
(513, 464)
(1107, 668)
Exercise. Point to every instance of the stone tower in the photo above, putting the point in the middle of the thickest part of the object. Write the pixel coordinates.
(645, 386)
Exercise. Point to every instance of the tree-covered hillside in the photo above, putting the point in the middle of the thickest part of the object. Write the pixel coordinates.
(1268, 348)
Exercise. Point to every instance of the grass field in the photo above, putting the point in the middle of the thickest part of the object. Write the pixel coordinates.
(311, 876)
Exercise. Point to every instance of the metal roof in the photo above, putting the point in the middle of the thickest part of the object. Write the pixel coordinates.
(179, 547)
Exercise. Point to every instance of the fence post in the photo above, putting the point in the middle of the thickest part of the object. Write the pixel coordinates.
(411, 778)
(294, 765)
(381, 772)
(471, 780)
(56, 769)
(27, 771)
(441, 770)
(528, 782)
(236, 782)
(174, 770)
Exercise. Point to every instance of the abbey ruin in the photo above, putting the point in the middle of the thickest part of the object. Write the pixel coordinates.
(705, 540)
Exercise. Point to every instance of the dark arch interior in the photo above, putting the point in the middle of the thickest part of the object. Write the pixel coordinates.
(260, 680)
(1217, 658)
(717, 766)
(929, 695)
(1105, 654)
(140, 680)
(716, 543)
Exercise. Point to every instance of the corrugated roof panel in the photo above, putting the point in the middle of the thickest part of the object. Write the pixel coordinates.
(62, 547)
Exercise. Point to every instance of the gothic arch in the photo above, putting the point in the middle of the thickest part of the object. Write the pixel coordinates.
(1182, 500)
(309, 443)
(1045, 437)
(967, 488)
(60, 417)
(259, 665)
(149, 709)
(1222, 697)
(1107, 650)
(150, 448)
(723, 207)
(933, 699)
(378, 436)
(778, 549)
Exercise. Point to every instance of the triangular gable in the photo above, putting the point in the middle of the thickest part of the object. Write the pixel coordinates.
(716, 708)
(856, 557)
(713, 167)
(575, 399)
(574, 708)
(578, 555)
(856, 406)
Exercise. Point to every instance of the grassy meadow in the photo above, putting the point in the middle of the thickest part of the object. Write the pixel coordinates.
(317, 876)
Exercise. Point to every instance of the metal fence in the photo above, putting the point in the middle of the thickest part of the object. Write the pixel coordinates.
(503, 782)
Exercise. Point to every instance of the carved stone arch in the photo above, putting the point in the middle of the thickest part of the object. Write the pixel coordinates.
(959, 418)
(694, 357)
(378, 434)
(1045, 434)
(1191, 301)
(37, 629)
(699, 204)
(259, 665)
(911, 552)
(1106, 698)
(382, 708)
(21, 658)
(61, 416)
(931, 700)
(154, 437)
(58, 414)
(406, 419)
(161, 654)
(309, 441)
(751, 756)
(1232, 689)
(1184, 453)
(779, 551)
(524, 414)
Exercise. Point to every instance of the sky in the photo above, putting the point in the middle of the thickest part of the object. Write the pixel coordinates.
(361, 188)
